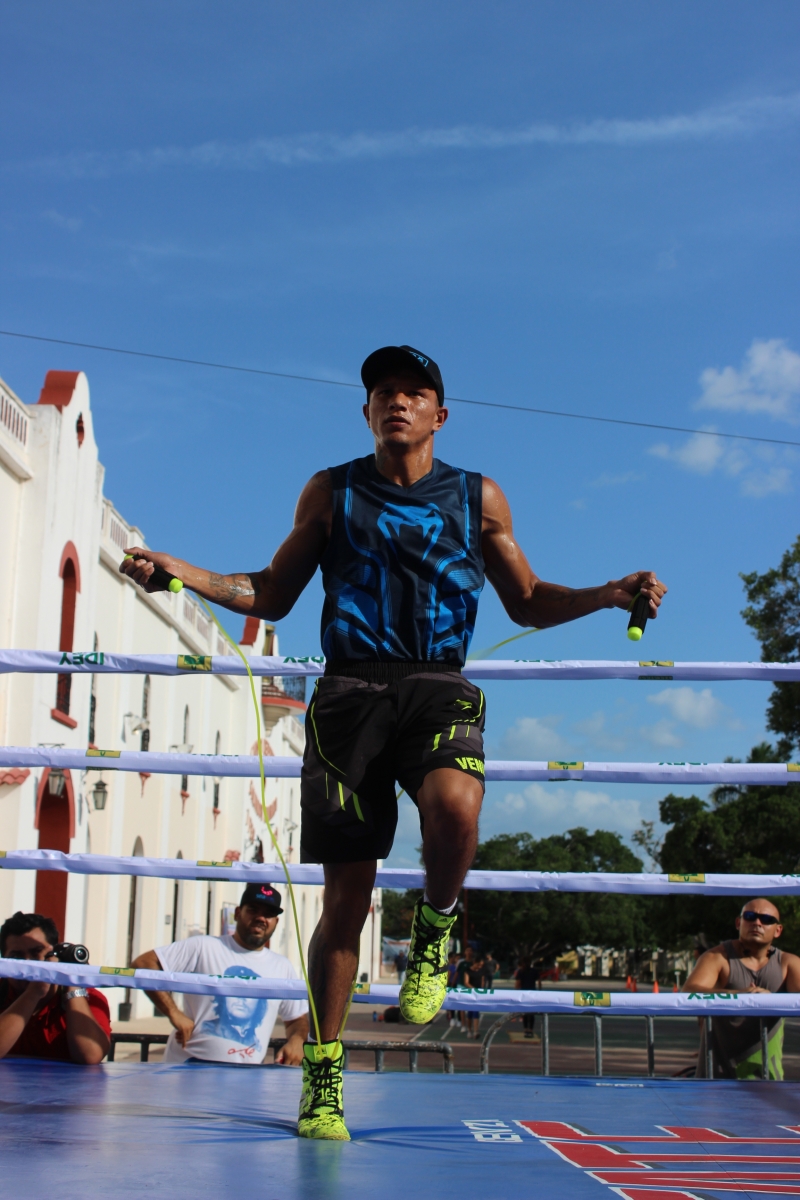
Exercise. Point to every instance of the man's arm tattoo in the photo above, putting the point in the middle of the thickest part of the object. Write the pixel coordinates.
(227, 588)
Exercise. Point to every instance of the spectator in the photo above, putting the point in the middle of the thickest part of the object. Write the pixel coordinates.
(526, 979)
(231, 1029)
(475, 976)
(42, 1020)
(492, 966)
(401, 965)
(748, 963)
(462, 967)
(452, 981)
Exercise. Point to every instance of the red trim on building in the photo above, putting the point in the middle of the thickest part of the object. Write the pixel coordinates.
(70, 552)
(44, 787)
(63, 718)
(13, 776)
(59, 387)
(250, 631)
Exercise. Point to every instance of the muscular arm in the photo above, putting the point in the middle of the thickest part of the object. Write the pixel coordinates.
(712, 971)
(531, 601)
(270, 593)
(792, 972)
(164, 1002)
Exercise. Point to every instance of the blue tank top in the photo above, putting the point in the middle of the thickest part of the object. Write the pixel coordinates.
(403, 570)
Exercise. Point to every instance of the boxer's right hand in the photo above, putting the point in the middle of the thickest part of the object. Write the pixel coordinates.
(141, 564)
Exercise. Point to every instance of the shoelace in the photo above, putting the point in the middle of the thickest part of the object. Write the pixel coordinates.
(426, 937)
(324, 1078)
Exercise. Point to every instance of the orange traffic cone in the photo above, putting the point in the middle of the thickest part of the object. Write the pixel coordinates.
(629, 984)
(655, 987)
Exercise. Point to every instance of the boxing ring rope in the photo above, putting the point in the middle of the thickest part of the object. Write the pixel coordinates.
(98, 662)
(630, 883)
(247, 766)
(510, 770)
(622, 1003)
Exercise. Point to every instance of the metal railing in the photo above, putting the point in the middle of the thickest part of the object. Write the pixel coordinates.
(379, 1049)
(650, 1038)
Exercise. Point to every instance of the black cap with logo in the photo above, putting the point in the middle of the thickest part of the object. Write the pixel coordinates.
(262, 893)
(390, 359)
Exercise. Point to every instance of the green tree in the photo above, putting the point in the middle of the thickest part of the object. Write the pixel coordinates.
(741, 830)
(543, 924)
(773, 613)
(397, 912)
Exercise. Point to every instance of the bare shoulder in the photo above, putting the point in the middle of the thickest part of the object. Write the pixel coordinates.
(791, 961)
(316, 499)
(496, 510)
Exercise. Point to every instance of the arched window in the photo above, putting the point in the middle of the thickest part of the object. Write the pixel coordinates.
(177, 896)
(69, 591)
(185, 748)
(93, 701)
(217, 750)
(145, 738)
(133, 928)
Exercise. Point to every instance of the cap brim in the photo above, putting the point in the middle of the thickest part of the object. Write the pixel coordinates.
(389, 359)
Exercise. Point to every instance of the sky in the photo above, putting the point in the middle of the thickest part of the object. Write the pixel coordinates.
(579, 207)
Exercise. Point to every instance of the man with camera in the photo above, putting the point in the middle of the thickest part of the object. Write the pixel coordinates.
(41, 1020)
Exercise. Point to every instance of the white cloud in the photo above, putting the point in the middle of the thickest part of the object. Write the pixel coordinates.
(534, 738)
(767, 382)
(661, 734)
(760, 470)
(73, 224)
(700, 709)
(738, 119)
(538, 805)
(595, 729)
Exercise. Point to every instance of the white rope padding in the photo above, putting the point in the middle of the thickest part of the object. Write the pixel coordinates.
(99, 663)
(630, 883)
(721, 1004)
(509, 770)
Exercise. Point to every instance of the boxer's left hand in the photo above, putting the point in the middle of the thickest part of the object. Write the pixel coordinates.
(622, 591)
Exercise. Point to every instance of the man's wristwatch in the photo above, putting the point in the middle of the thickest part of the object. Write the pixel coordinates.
(74, 993)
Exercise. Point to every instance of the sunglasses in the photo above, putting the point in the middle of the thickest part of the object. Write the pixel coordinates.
(764, 918)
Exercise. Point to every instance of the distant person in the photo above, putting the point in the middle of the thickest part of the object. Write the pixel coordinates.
(401, 965)
(453, 959)
(231, 1029)
(475, 976)
(526, 979)
(462, 966)
(44, 1020)
(492, 966)
(748, 963)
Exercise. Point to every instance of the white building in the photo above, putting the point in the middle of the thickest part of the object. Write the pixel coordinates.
(61, 542)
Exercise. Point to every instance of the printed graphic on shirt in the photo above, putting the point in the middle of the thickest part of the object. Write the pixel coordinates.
(403, 570)
(237, 1019)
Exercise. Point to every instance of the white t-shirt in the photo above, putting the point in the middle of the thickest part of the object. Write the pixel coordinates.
(228, 1028)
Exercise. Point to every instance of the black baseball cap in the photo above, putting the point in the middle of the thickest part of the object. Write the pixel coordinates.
(262, 893)
(401, 358)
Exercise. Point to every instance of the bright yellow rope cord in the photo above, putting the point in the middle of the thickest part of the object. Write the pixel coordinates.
(276, 847)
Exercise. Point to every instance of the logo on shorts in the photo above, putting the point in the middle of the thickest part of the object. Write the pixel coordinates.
(471, 764)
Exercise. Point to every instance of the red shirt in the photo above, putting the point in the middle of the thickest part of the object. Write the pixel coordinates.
(45, 1035)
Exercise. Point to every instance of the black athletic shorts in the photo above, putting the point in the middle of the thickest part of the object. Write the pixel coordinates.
(363, 735)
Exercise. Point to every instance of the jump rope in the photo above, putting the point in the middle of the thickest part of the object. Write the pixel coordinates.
(639, 609)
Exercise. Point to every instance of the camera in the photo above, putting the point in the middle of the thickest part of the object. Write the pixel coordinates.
(70, 952)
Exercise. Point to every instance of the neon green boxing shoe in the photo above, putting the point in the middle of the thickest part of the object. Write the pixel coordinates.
(321, 1111)
(425, 985)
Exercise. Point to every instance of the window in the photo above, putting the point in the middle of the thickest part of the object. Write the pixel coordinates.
(68, 593)
(217, 750)
(145, 738)
(93, 700)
